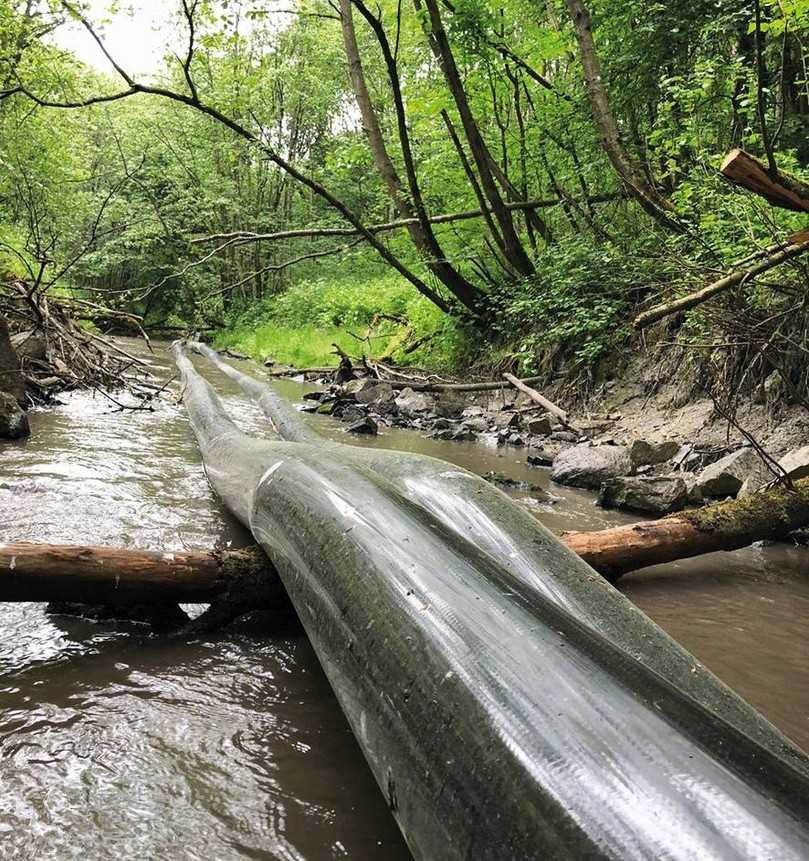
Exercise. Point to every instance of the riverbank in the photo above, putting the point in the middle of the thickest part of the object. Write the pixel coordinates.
(641, 451)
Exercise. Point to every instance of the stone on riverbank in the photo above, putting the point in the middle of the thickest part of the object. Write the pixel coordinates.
(539, 425)
(654, 494)
(366, 426)
(726, 476)
(411, 402)
(13, 421)
(645, 453)
(589, 466)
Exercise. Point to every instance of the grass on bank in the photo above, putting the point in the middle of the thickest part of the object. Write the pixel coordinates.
(378, 317)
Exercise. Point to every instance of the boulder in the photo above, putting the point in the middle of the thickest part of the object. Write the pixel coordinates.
(352, 414)
(796, 463)
(449, 405)
(366, 426)
(11, 380)
(589, 466)
(476, 424)
(503, 420)
(411, 402)
(540, 458)
(659, 494)
(373, 392)
(13, 421)
(645, 453)
(539, 425)
(726, 476)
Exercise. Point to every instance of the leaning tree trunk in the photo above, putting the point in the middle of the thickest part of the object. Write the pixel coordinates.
(516, 254)
(11, 379)
(114, 575)
(418, 227)
(625, 166)
(472, 653)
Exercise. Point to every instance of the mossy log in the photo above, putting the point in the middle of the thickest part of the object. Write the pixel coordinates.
(727, 525)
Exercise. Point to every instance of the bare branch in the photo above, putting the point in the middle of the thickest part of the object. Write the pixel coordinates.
(240, 237)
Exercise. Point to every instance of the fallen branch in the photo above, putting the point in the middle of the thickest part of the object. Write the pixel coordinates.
(727, 525)
(792, 246)
(241, 237)
(783, 190)
(535, 396)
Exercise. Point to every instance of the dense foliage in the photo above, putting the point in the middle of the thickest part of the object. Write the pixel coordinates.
(256, 127)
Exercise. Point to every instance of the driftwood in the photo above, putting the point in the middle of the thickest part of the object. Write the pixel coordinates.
(783, 191)
(540, 399)
(47, 572)
(792, 246)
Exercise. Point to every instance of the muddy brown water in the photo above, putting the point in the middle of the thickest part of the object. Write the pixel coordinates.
(115, 743)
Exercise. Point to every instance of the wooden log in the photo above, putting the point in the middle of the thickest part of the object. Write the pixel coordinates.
(89, 574)
(792, 246)
(540, 399)
(783, 191)
(724, 526)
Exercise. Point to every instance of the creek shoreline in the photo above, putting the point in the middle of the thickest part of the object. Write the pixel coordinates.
(649, 454)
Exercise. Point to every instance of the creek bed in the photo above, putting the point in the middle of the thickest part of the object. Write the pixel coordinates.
(117, 743)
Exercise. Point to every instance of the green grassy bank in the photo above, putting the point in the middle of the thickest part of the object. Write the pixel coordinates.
(378, 318)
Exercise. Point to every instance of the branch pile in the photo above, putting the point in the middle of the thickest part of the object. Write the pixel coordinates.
(57, 354)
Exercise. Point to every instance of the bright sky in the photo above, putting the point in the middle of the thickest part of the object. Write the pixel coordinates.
(137, 38)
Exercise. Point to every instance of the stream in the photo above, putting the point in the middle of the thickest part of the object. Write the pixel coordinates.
(117, 743)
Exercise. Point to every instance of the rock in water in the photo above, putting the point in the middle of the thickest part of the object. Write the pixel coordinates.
(654, 494)
(589, 466)
(726, 476)
(366, 426)
(13, 421)
(374, 392)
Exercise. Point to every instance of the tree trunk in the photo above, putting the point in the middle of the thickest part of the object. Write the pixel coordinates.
(515, 252)
(11, 379)
(625, 166)
(793, 246)
(113, 575)
(418, 225)
(537, 398)
(724, 526)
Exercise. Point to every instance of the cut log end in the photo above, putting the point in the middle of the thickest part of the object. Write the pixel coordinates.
(782, 191)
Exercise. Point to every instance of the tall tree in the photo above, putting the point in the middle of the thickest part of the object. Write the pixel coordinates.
(629, 171)
(420, 230)
(513, 247)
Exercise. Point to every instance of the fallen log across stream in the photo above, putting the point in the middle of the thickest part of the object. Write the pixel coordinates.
(53, 572)
(510, 703)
